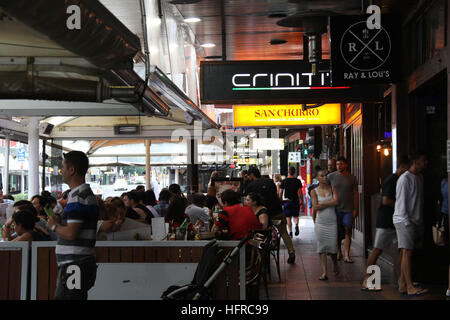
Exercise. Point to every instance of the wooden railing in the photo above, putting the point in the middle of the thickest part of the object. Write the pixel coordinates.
(226, 286)
(13, 270)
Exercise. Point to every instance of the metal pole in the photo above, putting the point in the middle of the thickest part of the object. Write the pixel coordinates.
(148, 172)
(33, 157)
(192, 167)
(43, 164)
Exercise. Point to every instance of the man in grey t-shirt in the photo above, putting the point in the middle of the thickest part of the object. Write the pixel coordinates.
(347, 209)
(197, 210)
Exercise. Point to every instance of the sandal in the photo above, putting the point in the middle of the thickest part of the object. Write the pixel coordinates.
(348, 260)
(419, 292)
(405, 292)
(324, 278)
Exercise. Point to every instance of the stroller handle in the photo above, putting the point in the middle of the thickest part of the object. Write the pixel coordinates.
(244, 240)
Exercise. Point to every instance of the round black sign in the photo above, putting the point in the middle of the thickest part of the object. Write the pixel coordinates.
(364, 49)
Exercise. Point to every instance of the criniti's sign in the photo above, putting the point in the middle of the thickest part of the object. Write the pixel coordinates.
(286, 115)
(273, 81)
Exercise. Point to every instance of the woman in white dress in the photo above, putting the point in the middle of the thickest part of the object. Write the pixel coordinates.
(324, 199)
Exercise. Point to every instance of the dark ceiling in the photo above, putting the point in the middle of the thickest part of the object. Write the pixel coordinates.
(243, 29)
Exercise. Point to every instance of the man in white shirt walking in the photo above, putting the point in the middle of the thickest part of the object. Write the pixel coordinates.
(408, 220)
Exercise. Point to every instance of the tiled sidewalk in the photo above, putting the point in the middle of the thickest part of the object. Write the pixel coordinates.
(300, 281)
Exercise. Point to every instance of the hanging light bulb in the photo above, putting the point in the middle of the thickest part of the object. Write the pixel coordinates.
(378, 147)
(386, 152)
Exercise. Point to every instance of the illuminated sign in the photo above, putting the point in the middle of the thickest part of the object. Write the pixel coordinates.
(281, 81)
(267, 144)
(286, 115)
(268, 81)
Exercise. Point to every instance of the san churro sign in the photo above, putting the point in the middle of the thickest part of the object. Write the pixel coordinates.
(286, 115)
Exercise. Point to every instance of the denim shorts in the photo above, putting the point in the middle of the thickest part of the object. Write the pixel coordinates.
(344, 218)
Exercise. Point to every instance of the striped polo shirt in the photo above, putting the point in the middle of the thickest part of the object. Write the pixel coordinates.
(81, 208)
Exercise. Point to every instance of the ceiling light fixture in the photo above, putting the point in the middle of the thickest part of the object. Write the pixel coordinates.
(192, 20)
(184, 1)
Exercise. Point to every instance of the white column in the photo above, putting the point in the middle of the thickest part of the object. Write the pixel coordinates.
(6, 167)
(22, 182)
(177, 175)
(275, 155)
(33, 157)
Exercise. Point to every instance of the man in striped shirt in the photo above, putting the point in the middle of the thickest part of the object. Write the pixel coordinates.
(76, 232)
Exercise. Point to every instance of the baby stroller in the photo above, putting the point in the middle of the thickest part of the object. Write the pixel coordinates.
(199, 288)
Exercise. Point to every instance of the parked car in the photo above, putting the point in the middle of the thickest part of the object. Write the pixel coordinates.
(120, 184)
(140, 180)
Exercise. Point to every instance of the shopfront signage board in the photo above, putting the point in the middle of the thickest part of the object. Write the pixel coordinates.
(295, 157)
(273, 81)
(21, 155)
(360, 55)
(286, 115)
(266, 144)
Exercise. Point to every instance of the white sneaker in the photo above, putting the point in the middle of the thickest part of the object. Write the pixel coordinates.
(448, 293)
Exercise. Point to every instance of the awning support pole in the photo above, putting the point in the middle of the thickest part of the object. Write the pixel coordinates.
(33, 157)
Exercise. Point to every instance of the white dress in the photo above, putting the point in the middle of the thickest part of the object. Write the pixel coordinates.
(325, 227)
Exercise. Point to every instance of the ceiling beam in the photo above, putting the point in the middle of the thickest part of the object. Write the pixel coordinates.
(95, 145)
(107, 133)
(45, 108)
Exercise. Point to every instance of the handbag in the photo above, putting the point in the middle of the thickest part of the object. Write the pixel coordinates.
(439, 233)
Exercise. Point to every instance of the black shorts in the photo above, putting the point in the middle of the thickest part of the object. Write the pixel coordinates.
(292, 209)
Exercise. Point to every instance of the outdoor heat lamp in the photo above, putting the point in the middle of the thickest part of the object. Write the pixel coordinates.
(127, 129)
(314, 25)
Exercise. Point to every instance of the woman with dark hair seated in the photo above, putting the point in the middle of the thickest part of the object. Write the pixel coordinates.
(150, 202)
(39, 202)
(256, 202)
(238, 220)
(176, 212)
(163, 204)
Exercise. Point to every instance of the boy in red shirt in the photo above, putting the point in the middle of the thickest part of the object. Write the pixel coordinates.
(237, 219)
